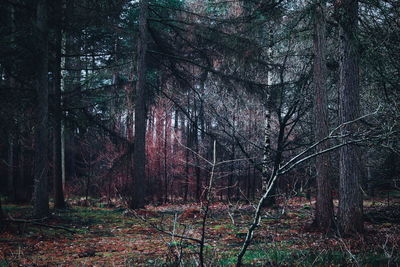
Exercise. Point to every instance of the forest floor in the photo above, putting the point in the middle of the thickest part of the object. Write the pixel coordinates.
(99, 236)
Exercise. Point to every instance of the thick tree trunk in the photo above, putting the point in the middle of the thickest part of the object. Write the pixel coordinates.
(324, 205)
(40, 193)
(59, 202)
(350, 197)
(139, 154)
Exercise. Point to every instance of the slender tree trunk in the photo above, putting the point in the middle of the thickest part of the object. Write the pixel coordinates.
(11, 138)
(59, 202)
(231, 174)
(165, 163)
(271, 199)
(88, 181)
(253, 185)
(2, 215)
(40, 193)
(233, 155)
(62, 89)
(21, 194)
(195, 138)
(63, 169)
(10, 167)
(139, 154)
(187, 158)
(350, 197)
(324, 205)
(370, 181)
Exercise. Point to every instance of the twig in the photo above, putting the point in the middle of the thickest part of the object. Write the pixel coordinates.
(173, 234)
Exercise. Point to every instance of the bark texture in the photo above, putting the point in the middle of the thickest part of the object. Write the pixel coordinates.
(139, 154)
(10, 167)
(267, 155)
(2, 216)
(40, 193)
(324, 206)
(59, 202)
(350, 197)
(12, 137)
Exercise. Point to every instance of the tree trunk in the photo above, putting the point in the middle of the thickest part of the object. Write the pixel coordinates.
(350, 197)
(40, 193)
(59, 202)
(187, 158)
(10, 167)
(71, 82)
(139, 154)
(324, 205)
(2, 216)
(11, 138)
(165, 154)
(21, 190)
(196, 147)
(267, 155)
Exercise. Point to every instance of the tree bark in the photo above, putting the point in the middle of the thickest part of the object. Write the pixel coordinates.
(165, 154)
(267, 155)
(10, 167)
(2, 215)
(21, 190)
(59, 202)
(40, 193)
(11, 135)
(139, 154)
(188, 138)
(350, 197)
(324, 214)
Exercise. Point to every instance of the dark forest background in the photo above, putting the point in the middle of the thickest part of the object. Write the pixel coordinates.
(121, 102)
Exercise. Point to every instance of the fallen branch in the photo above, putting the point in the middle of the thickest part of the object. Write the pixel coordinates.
(39, 224)
(156, 227)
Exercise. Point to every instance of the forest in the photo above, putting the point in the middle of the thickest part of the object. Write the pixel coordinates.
(199, 133)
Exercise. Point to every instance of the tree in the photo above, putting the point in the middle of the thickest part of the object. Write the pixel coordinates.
(40, 194)
(324, 205)
(57, 155)
(1, 212)
(139, 154)
(350, 197)
(11, 169)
